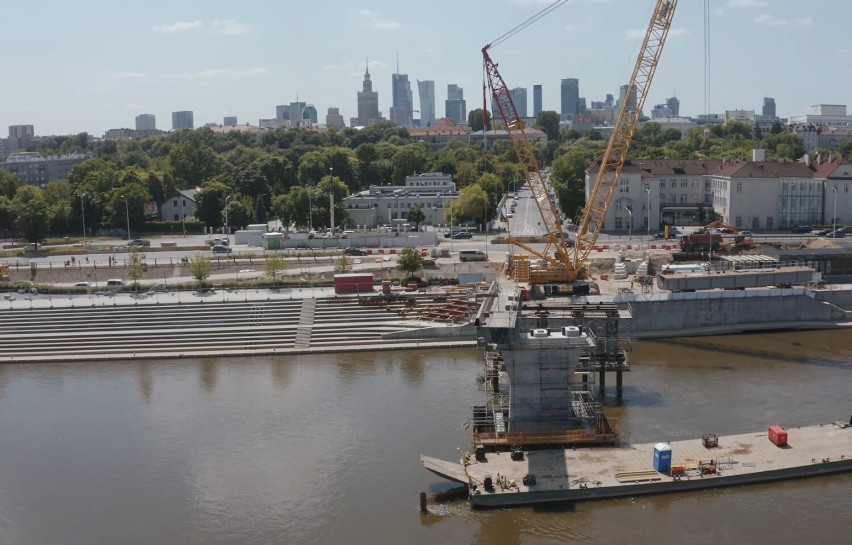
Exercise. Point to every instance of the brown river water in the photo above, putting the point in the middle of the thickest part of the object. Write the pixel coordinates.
(325, 449)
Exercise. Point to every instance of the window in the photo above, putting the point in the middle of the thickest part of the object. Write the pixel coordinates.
(707, 186)
(738, 221)
(770, 223)
(647, 187)
(174, 203)
(683, 199)
(618, 223)
(662, 198)
(662, 184)
(755, 223)
(674, 184)
(176, 217)
(672, 199)
(624, 186)
(739, 188)
(618, 206)
(684, 184)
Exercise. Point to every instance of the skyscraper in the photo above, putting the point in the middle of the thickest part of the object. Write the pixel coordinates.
(297, 112)
(402, 108)
(309, 112)
(182, 120)
(769, 107)
(622, 93)
(282, 111)
(146, 122)
(426, 90)
(368, 102)
(519, 99)
(21, 131)
(674, 106)
(536, 100)
(334, 119)
(570, 95)
(455, 106)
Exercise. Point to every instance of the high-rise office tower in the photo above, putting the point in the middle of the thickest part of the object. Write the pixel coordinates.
(536, 100)
(182, 120)
(426, 90)
(622, 93)
(297, 112)
(334, 119)
(570, 98)
(230, 121)
(309, 112)
(769, 107)
(455, 106)
(146, 122)
(21, 131)
(402, 108)
(282, 111)
(519, 99)
(368, 102)
(673, 105)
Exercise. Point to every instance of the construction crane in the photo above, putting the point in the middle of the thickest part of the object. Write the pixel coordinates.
(563, 262)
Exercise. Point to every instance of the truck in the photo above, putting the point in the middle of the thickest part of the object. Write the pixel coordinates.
(702, 242)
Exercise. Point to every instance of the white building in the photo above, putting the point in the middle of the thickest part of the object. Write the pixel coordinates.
(180, 206)
(379, 205)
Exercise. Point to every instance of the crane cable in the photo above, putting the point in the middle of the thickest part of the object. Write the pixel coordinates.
(500, 39)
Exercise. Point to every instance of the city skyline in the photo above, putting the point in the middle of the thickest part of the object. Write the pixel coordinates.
(84, 73)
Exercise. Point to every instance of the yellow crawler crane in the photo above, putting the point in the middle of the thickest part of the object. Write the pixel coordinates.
(564, 263)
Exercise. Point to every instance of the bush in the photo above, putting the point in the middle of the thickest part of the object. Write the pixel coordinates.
(193, 227)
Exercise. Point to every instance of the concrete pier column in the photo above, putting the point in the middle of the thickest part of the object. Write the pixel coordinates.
(602, 382)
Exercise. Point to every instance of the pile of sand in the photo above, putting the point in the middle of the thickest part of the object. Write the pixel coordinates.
(820, 243)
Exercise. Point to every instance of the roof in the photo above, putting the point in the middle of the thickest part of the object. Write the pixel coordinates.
(663, 167)
(762, 169)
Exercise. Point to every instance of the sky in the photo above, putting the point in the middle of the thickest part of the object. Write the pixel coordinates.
(93, 65)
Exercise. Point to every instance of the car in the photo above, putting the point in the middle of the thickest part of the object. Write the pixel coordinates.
(510, 215)
(83, 285)
(221, 249)
(659, 236)
(462, 234)
(138, 243)
(158, 288)
(218, 242)
(839, 233)
(354, 251)
(801, 229)
(115, 283)
(748, 234)
(823, 232)
(302, 245)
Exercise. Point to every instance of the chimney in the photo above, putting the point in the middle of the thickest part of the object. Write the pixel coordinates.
(758, 154)
(819, 158)
(807, 159)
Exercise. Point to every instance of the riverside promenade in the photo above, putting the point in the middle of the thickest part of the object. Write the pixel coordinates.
(244, 322)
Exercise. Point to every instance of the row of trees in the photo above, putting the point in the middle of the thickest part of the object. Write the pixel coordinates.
(286, 173)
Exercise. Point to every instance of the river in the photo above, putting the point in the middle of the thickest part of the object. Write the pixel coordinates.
(324, 449)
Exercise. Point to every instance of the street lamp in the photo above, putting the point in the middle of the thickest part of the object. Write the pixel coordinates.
(834, 219)
(83, 214)
(331, 197)
(648, 191)
(227, 231)
(127, 214)
(183, 213)
(310, 212)
(629, 222)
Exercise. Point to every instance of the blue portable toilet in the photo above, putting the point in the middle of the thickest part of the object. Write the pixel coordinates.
(662, 457)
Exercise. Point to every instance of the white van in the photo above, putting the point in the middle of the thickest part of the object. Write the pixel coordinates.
(116, 282)
(472, 255)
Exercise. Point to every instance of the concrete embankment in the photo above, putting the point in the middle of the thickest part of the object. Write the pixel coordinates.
(724, 312)
(231, 324)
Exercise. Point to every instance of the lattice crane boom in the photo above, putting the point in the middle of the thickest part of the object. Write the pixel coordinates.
(612, 163)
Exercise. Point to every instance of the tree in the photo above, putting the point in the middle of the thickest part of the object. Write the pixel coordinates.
(193, 162)
(474, 120)
(31, 213)
(470, 204)
(199, 267)
(845, 149)
(409, 160)
(343, 264)
(135, 267)
(548, 121)
(260, 215)
(210, 202)
(409, 260)
(416, 216)
(9, 184)
(274, 266)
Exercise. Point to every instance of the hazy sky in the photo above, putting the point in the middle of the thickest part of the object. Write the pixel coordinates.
(92, 65)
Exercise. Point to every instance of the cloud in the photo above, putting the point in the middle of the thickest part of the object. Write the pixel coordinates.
(220, 74)
(229, 27)
(678, 31)
(377, 23)
(133, 106)
(174, 28)
(128, 75)
(746, 3)
(768, 20)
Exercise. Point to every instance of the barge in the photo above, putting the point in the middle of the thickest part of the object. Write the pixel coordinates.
(515, 478)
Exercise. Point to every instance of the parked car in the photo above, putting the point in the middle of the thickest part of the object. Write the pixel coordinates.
(801, 229)
(354, 251)
(115, 283)
(221, 249)
(138, 243)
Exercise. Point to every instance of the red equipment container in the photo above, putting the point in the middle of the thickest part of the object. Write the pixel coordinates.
(353, 283)
(678, 470)
(778, 435)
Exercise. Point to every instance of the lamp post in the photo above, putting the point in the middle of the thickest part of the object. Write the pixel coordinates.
(331, 198)
(183, 213)
(127, 215)
(648, 191)
(629, 223)
(834, 218)
(227, 231)
(83, 214)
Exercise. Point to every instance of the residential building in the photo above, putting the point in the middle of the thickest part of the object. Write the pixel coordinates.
(570, 98)
(146, 122)
(532, 134)
(22, 132)
(36, 169)
(182, 120)
(442, 131)
(809, 135)
(334, 119)
(832, 137)
(368, 102)
(536, 100)
(180, 206)
(230, 121)
(379, 205)
(455, 105)
(426, 90)
(836, 176)
(519, 99)
(402, 108)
